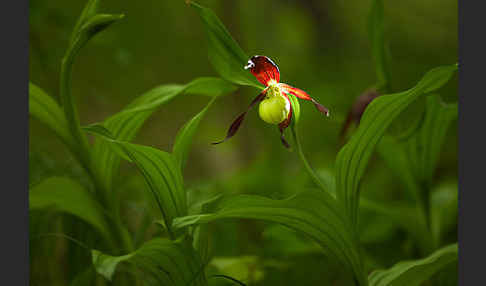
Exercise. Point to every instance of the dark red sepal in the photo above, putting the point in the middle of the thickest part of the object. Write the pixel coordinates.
(236, 124)
(264, 69)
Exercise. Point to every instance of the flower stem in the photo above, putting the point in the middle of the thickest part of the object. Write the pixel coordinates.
(302, 157)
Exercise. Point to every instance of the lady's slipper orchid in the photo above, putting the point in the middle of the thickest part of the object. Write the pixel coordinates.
(275, 106)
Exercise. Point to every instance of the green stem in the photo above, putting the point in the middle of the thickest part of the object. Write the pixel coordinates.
(302, 157)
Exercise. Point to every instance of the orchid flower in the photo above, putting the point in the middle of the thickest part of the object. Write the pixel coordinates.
(275, 107)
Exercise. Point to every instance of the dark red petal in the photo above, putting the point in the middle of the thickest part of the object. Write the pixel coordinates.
(295, 91)
(284, 124)
(236, 124)
(264, 69)
(282, 137)
(303, 95)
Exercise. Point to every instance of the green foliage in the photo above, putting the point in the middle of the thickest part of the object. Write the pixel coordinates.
(47, 111)
(425, 146)
(87, 27)
(125, 124)
(314, 213)
(160, 170)
(226, 56)
(67, 196)
(414, 272)
(161, 261)
(127, 232)
(354, 156)
(376, 32)
(185, 136)
(397, 159)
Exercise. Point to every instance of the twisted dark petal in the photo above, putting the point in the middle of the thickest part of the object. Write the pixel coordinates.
(236, 124)
(264, 69)
(320, 107)
(284, 124)
(303, 95)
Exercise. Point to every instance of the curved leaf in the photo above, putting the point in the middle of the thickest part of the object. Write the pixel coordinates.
(165, 262)
(87, 26)
(413, 273)
(354, 156)
(67, 196)
(125, 124)
(226, 56)
(184, 137)
(47, 111)
(160, 171)
(397, 159)
(317, 214)
(90, 9)
(426, 145)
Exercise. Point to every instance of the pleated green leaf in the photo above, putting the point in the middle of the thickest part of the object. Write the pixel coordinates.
(395, 155)
(46, 110)
(315, 213)
(354, 156)
(88, 25)
(67, 196)
(185, 136)
(159, 169)
(125, 124)
(426, 145)
(414, 273)
(162, 262)
(224, 53)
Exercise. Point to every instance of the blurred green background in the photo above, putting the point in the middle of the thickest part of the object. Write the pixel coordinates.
(319, 46)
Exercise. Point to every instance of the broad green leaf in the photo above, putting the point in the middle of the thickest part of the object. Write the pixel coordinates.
(397, 159)
(426, 144)
(415, 272)
(160, 171)
(226, 56)
(184, 137)
(354, 156)
(209, 86)
(316, 214)
(376, 30)
(404, 215)
(125, 124)
(47, 111)
(67, 196)
(87, 26)
(163, 262)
